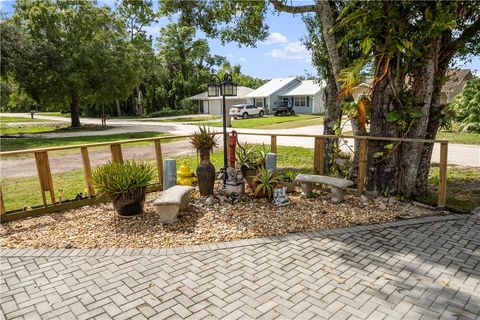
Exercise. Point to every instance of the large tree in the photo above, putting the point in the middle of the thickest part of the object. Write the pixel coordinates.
(405, 40)
(75, 54)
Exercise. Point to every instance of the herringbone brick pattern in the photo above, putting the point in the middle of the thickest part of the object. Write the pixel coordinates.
(429, 271)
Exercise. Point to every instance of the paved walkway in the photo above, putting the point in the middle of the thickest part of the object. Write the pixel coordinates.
(425, 268)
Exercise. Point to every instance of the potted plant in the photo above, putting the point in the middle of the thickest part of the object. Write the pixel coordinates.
(125, 184)
(264, 183)
(287, 178)
(204, 141)
(250, 159)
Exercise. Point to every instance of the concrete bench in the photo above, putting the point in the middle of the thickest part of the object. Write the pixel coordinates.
(336, 185)
(171, 201)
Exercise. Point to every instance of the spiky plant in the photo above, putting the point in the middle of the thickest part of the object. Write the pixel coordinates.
(115, 179)
(205, 140)
(266, 181)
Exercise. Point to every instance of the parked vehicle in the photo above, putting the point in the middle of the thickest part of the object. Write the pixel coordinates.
(283, 108)
(246, 111)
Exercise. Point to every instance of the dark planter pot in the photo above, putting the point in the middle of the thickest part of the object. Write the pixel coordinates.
(129, 204)
(290, 186)
(205, 174)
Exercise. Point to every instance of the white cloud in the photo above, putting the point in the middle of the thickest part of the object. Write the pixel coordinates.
(276, 37)
(242, 59)
(291, 51)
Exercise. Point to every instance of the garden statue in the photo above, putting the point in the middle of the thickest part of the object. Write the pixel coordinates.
(185, 175)
(234, 182)
(280, 197)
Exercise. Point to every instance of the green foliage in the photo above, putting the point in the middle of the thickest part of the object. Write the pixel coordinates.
(466, 105)
(204, 140)
(287, 176)
(252, 156)
(117, 178)
(266, 181)
(169, 113)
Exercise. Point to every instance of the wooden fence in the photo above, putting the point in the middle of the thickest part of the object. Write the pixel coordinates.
(46, 181)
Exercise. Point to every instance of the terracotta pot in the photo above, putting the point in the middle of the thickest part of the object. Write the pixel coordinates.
(129, 204)
(250, 175)
(205, 174)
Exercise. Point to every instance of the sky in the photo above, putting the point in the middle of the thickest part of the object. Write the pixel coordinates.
(280, 55)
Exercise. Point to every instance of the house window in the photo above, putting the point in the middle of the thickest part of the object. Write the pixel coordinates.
(300, 101)
(259, 102)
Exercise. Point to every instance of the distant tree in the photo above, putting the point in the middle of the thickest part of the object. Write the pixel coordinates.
(74, 54)
(239, 78)
(466, 106)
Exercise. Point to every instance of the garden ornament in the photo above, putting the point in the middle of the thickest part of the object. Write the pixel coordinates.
(280, 197)
(185, 175)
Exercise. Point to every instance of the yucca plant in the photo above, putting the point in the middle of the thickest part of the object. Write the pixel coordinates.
(205, 141)
(125, 184)
(266, 181)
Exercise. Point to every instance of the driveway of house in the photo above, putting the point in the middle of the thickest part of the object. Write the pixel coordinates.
(427, 268)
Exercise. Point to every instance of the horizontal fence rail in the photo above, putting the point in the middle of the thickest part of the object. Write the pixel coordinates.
(47, 186)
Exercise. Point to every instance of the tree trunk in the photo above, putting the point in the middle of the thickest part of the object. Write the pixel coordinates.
(75, 110)
(119, 109)
(331, 121)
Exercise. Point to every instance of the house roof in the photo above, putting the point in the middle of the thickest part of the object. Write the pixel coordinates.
(271, 87)
(242, 92)
(304, 88)
(456, 78)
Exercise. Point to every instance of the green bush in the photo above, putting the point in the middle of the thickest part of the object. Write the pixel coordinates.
(169, 113)
(116, 178)
(467, 107)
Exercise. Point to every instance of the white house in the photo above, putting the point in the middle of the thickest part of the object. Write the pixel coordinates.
(306, 96)
(213, 105)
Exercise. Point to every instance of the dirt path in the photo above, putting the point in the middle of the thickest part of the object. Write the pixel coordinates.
(19, 168)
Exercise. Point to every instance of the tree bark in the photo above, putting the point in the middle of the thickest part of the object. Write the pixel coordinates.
(119, 109)
(75, 110)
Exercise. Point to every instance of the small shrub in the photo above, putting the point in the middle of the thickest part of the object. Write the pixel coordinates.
(266, 182)
(169, 113)
(117, 178)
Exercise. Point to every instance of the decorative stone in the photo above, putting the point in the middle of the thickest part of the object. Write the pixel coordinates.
(169, 173)
(364, 198)
(381, 206)
(271, 161)
(280, 197)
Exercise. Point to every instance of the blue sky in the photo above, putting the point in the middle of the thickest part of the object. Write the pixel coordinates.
(280, 55)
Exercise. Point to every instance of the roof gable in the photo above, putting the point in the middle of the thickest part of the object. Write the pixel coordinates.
(304, 88)
(271, 87)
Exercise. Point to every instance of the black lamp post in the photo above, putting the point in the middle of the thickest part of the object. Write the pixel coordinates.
(225, 88)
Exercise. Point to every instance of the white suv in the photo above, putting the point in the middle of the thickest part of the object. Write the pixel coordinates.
(246, 110)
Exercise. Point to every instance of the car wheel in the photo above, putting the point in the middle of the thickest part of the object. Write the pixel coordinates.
(235, 118)
(261, 113)
(276, 113)
(245, 115)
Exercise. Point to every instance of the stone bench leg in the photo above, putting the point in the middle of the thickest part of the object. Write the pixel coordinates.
(167, 213)
(306, 189)
(184, 202)
(337, 194)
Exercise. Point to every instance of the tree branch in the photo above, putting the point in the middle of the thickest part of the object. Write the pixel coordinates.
(280, 6)
(467, 34)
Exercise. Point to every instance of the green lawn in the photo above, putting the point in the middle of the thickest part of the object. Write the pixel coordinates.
(19, 119)
(460, 137)
(50, 128)
(463, 188)
(9, 144)
(271, 122)
(54, 114)
(191, 119)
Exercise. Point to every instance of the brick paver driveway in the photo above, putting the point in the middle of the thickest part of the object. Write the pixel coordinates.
(412, 269)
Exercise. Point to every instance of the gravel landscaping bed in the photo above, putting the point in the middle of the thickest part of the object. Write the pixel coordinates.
(98, 226)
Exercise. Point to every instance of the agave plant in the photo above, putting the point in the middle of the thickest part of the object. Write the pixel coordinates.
(287, 176)
(252, 157)
(266, 181)
(205, 140)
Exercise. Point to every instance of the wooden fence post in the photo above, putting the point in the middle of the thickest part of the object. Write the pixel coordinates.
(2, 204)
(87, 171)
(116, 151)
(319, 156)
(362, 165)
(442, 183)
(273, 144)
(158, 156)
(44, 176)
